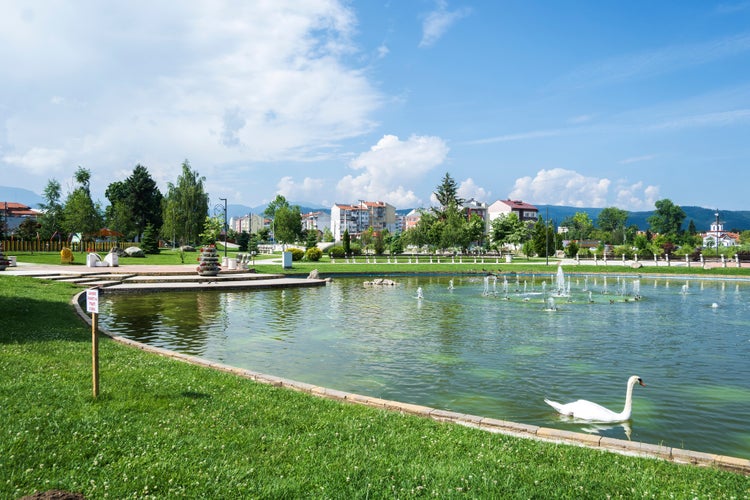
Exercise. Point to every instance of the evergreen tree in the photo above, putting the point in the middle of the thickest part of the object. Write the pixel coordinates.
(149, 242)
(447, 193)
(144, 200)
(347, 242)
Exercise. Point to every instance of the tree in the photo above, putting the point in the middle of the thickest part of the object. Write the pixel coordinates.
(613, 220)
(287, 224)
(51, 219)
(144, 200)
(447, 193)
(543, 238)
(212, 227)
(347, 242)
(667, 219)
(28, 230)
(149, 243)
(185, 207)
(118, 215)
(508, 229)
(80, 214)
(580, 226)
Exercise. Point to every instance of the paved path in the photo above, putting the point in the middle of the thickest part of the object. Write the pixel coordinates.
(153, 278)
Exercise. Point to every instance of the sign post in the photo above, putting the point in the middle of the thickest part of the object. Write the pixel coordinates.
(92, 306)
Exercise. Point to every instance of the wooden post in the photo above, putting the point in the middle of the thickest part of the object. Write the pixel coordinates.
(95, 353)
(92, 306)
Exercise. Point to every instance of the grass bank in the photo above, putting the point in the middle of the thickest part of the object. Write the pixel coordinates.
(166, 429)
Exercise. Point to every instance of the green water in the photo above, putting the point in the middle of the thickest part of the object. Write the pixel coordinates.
(496, 354)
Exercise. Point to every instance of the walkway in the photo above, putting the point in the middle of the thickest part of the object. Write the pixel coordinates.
(161, 278)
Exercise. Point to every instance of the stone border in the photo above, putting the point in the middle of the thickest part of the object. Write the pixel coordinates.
(592, 441)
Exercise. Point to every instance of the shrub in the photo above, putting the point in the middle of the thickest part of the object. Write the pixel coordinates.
(313, 254)
(297, 254)
(336, 252)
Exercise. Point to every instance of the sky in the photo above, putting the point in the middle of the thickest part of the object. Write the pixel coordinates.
(586, 104)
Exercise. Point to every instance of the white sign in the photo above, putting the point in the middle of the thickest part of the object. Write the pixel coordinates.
(92, 300)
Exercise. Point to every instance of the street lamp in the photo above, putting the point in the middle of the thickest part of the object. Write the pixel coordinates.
(546, 238)
(225, 226)
(717, 233)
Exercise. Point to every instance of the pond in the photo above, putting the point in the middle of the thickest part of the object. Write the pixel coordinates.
(494, 346)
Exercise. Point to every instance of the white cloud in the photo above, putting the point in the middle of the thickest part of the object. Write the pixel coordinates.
(215, 82)
(389, 165)
(37, 160)
(523, 136)
(636, 196)
(468, 189)
(636, 159)
(717, 119)
(438, 21)
(309, 189)
(657, 61)
(559, 186)
(562, 187)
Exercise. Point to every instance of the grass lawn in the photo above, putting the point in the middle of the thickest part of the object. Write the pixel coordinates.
(165, 429)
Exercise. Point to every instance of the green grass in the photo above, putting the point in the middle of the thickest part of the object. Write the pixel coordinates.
(165, 429)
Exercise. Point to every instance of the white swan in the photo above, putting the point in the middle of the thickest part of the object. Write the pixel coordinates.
(586, 410)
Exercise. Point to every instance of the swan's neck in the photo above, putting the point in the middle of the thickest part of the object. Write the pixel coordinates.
(628, 402)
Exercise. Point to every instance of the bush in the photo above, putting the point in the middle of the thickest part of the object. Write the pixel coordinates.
(297, 254)
(313, 254)
(336, 252)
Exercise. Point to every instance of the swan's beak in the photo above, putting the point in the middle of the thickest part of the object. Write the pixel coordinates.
(641, 382)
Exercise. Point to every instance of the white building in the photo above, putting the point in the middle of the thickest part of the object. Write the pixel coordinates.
(716, 236)
(250, 223)
(525, 211)
(358, 218)
(316, 221)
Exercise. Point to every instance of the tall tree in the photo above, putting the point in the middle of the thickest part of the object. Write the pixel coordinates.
(288, 224)
(612, 219)
(447, 193)
(117, 215)
(144, 199)
(508, 229)
(667, 218)
(185, 207)
(80, 214)
(51, 219)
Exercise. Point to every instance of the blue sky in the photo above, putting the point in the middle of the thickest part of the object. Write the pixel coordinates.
(589, 104)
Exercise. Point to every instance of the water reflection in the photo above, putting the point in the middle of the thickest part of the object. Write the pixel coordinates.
(462, 350)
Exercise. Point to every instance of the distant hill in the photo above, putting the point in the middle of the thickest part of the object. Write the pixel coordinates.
(20, 195)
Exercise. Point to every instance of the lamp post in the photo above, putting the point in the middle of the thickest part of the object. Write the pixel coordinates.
(717, 233)
(225, 226)
(546, 238)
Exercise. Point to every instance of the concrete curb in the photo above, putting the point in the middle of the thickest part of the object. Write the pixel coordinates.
(593, 441)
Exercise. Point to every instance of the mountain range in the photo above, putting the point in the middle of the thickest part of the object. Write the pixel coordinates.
(733, 220)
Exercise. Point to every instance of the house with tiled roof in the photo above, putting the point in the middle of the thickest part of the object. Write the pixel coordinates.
(525, 211)
(716, 236)
(13, 214)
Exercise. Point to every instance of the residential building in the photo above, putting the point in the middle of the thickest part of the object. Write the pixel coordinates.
(358, 218)
(250, 223)
(412, 219)
(13, 214)
(525, 211)
(316, 221)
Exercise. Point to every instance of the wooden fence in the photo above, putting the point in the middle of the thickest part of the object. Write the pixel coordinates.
(15, 246)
